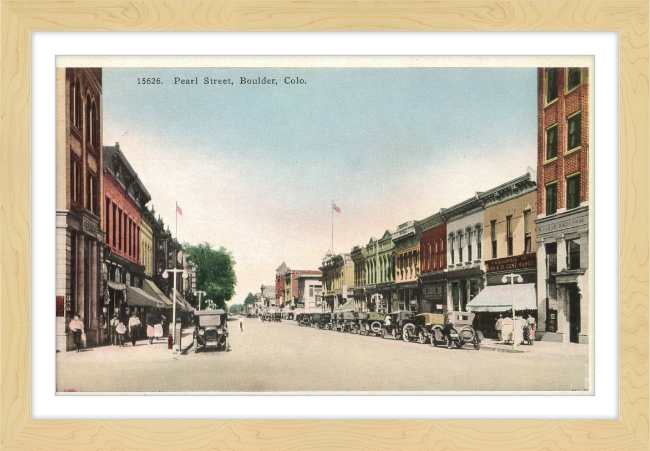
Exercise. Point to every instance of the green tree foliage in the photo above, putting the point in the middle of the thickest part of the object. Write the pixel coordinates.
(215, 272)
(236, 309)
(251, 299)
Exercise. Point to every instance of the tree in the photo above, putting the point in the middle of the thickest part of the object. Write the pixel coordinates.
(236, 309)
(251, 299)
(215, 272)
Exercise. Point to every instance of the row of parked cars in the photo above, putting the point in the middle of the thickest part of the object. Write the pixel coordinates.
(450, 329)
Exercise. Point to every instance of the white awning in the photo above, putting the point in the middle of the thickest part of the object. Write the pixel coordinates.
(499, 298)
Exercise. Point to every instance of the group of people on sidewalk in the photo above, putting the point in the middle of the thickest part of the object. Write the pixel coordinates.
(118, 330)
(505, 330)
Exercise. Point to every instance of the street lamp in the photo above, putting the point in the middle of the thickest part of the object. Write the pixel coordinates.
(166, 274)
(200, 293)
(512, 299)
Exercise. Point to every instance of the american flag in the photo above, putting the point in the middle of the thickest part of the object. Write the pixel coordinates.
(337, 209)
(178, 210)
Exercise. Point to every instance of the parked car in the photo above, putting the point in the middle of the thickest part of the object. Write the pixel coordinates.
(372, 323)
(325, 321)
(277, 316)
(457, 331)
(393, 328)
(349, 322)
(210, 330)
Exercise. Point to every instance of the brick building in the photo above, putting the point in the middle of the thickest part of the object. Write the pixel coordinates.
(79, 228)
(563, 203)
(407, 265)
(433, 263)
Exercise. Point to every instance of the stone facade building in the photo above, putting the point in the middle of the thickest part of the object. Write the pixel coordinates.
(147, 221)
(381, 295)
(563, 203)
(358, 256)
(79, 204)
(310, 288)
(338, 279)
(433, 264)
(407, 265)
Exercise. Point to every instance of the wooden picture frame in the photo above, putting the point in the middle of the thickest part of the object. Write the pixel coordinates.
(19, 431)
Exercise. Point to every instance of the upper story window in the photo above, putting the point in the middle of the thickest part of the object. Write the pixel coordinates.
(460, 247)
(468, 232)
(574, 132)
(573, 191)
(509, 241)
(451, 248)
(551, 85)
(493, 236)
(572, 254)
(479, 240)
(551, 142)
(527, 232)
(573, 78)
(551, 198)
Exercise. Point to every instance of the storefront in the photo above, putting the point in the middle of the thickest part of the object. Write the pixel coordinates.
(434, 292)
(408, 295)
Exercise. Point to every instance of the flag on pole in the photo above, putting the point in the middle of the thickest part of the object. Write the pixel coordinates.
(337, 209)
(178, 210)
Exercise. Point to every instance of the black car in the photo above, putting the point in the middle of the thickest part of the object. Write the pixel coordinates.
(210, 330)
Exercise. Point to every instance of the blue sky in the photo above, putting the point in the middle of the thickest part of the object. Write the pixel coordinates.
(256, 167)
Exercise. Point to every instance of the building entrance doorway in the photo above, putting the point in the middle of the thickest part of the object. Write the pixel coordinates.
(574, 313)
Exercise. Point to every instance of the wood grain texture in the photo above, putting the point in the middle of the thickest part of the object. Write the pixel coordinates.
(19, 432)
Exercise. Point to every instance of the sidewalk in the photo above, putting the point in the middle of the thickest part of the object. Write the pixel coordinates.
(538, 347)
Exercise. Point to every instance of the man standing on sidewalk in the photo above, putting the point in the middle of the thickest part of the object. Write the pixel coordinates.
(134, 326)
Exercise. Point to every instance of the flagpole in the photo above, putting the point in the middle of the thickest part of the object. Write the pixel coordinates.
(332, 226)
(176, 220)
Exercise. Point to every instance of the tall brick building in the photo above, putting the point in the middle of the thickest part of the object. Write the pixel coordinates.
(79, 229)
(563, 203)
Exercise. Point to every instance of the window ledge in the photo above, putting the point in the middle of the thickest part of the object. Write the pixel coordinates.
(551, 102)
(572, 89)
(570, 151)
(550, 160)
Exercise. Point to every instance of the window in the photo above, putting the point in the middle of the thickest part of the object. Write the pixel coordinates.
(551, 142)
(573, 78)
(311, 292)
(119, 230)
(88, 116)
(551, 198)
(107, 210)
(493, 234)
(451, 244)
(460, 248)
(572, 254)
(76, 184)
(114, 234)
(527, 233)
(509, 235)
(573, 191)
(574, 139)
(479, 241)
(469, 244)
(551, 85)
(91, 194)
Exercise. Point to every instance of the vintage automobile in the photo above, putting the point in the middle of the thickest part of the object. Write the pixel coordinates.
(315, 319)
(423, 326)
(457, 331)
(325, 321)
(393, 328)
(349, 322)
(372, 323)
(277, 316)
(210, 330)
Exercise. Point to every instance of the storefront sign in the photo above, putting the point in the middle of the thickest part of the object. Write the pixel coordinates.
(561, 225)
(515, 262)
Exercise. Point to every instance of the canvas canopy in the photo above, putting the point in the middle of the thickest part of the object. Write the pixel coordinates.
(349, 305)
(136, 297)
(499, 298)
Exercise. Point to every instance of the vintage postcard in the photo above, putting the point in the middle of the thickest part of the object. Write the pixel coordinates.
(364, 225)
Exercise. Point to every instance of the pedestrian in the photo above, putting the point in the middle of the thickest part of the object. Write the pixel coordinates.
(158, 328)
(113, 324)
(78, 333)
(151, 332)
(121, 330)
(241, 324)
(134, 325)
(499, 327)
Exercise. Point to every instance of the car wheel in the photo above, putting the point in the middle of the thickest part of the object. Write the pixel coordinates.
(406, 332)
(421, 338)
(459, 344)
(448, 342)
(433, 341)
(375, 327)
(477, 345)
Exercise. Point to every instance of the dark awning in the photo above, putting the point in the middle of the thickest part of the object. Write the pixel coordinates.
(152, 289)
(136, 297)
(116, 285)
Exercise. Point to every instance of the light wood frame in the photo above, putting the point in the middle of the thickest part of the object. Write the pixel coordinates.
(19, 431)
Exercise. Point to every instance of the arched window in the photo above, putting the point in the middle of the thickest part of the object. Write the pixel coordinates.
(88, 117)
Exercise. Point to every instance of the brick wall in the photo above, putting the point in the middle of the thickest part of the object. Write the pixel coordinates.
(431, 260)
(114, 195)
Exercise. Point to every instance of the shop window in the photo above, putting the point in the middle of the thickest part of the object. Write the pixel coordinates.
(573, 78)
(128, 279)
(473, 289)
(573, 192)
(574, 138)
(509, 242)
(551, 142)
(572, 254)
(528, 244)
(551, 198)
(551, 85)
(493, 235)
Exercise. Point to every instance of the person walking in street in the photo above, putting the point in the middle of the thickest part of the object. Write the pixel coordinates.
(241, 324)
(113, 324)
(78, 333)
(134, 325)
(121, 330)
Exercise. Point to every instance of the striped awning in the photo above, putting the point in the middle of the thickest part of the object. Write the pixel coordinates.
(499, 298)
(136, 297)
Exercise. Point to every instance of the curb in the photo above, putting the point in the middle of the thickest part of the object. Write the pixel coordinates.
(495, 349)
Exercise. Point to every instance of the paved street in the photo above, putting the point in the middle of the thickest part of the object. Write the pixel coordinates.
(284, 357)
